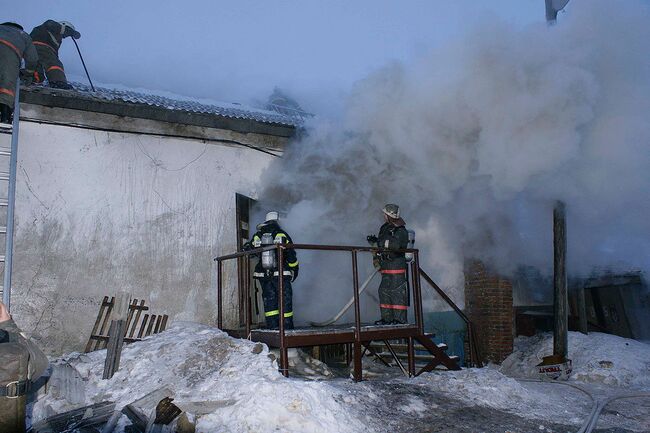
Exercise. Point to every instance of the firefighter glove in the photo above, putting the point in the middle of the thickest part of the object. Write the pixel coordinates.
(372, 239)
(294, 274)
(247, 246)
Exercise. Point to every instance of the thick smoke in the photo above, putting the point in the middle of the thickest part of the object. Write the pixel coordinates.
(475, 142)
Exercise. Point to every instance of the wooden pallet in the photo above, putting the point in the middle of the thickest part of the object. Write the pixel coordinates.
(145, 324)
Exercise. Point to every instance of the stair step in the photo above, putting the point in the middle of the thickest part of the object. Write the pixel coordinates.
(398, 347)
(4, 176)
(405, 356)
(3, 230)
(4, 202)
(5, 152)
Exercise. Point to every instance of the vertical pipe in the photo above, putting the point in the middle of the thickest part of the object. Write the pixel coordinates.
(247, 290)
(11, 201)
(417, 293)
(247, 276)
(357, 319)
(283, 349)
(561, 300)
(219, 296)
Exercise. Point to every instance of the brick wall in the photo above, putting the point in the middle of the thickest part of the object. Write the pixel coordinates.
(488, 303)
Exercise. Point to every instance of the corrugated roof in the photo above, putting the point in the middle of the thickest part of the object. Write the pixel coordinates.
(185, 104)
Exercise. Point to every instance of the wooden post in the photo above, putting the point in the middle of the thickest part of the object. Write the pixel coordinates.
(560, 292)
(582, 310)
(116, 334)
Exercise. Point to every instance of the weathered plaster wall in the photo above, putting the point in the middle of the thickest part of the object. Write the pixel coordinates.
(98, 212)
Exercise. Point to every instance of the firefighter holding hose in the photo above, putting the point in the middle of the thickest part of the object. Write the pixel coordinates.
(393, 290)
(267, 271)
(48, 38)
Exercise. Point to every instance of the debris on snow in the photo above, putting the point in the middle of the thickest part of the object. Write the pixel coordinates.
(227, 384)
(597, 358)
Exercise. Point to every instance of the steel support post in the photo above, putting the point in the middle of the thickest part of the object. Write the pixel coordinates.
(284, 354)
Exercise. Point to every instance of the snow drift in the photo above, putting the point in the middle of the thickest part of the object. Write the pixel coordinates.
(238, 378)
(597, 358)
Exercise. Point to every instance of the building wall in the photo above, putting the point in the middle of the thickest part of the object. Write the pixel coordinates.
(98, 212)
(488, 302)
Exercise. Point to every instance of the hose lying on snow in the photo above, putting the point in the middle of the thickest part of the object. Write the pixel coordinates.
(597, 405)
(347, 306)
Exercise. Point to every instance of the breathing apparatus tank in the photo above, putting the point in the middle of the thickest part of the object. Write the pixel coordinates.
(269, 258)
(409, 256)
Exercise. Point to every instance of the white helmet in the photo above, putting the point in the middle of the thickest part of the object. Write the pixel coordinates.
(68, 29)
(272, 216)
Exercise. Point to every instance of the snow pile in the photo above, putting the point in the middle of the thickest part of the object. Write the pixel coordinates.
(204, 367)
(491, 388)
(597, 358)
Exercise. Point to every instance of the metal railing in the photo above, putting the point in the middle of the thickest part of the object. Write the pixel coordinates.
(353, 250)
(415, 273)
(474, 356)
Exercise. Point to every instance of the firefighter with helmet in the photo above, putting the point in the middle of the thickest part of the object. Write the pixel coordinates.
(393, 289)
(15, 45)
(47, 39)
(267, 270)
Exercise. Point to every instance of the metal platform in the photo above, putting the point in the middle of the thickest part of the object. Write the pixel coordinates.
(334, 334)
(358, 335)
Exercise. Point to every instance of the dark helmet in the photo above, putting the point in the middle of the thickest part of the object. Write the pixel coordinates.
(10, 24)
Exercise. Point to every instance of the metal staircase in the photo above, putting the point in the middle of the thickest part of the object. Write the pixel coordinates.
(8, 165)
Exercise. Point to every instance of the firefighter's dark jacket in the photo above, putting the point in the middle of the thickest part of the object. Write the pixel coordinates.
(392, 236)
(49, 33)
(279, 237)
(14, 46)
(38, 362)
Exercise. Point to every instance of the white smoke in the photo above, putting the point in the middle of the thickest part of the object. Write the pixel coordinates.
(477, 140)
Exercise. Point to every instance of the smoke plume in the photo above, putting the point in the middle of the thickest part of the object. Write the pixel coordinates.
(476, 141)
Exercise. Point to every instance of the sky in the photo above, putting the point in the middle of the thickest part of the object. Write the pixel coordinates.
(238, 51)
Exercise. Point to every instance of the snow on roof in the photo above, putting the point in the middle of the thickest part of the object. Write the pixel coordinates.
(185, 104)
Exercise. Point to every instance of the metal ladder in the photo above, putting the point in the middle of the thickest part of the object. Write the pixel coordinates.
(8, 202)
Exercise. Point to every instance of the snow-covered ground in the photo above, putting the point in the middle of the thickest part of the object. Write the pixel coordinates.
(234, 386)
(238, 378)
(597, 358)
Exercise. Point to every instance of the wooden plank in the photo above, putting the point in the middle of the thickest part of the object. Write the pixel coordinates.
(108, 312)
(87, 416)
(143, 326)
(137, 317)
(129, 318)
(96, 325)
(163, 325)
(157, 327)
(114, 352)
(152, 321)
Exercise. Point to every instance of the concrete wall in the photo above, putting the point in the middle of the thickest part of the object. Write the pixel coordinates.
(99, 212)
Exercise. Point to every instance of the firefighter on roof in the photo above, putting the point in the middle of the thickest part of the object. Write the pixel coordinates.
(267, 271)
(47, 39)
(15, 45)
(393, 290)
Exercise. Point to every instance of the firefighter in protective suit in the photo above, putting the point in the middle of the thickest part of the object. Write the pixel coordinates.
(393, 289)
(15, 45)
(47, 39)
(21, 364)
(267, 271)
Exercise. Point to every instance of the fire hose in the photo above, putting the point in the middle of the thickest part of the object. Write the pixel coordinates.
(347, 306)
(597, 405)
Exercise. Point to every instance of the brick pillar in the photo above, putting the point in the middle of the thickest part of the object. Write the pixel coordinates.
(488, 303)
